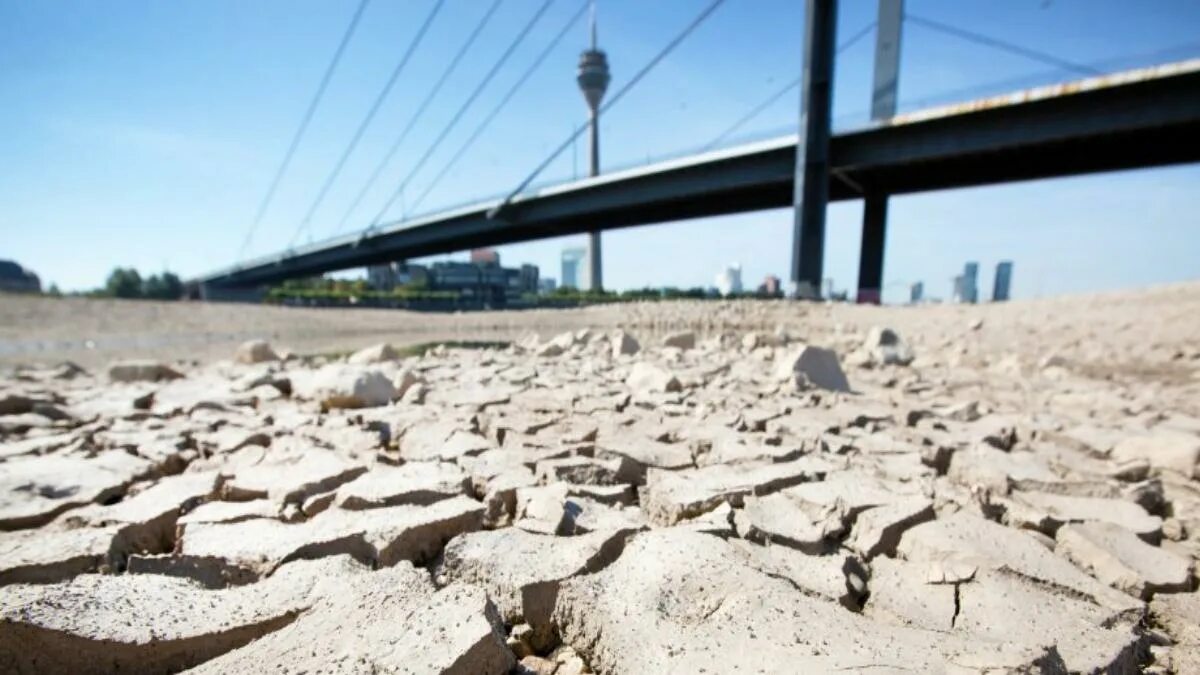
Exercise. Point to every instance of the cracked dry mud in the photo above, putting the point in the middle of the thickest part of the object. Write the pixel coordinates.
(683, 488)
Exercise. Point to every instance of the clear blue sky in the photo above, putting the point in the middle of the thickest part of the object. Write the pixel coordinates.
(144, 133)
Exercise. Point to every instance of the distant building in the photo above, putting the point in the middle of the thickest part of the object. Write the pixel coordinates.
(17, 279)
(388, 276)
(527, 278)
(971, 282)
(572, 264)
(770, 286)
(485, 256)
(966, 288)
(408, 274)
(485, 282)
(1003, 281)
(381, 277)
(916, 292)
(729, 280)
(547, 285)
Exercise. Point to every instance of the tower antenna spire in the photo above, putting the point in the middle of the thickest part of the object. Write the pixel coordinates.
(593, 24)
(593, 79)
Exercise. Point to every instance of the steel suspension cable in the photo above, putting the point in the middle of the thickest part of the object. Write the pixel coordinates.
(362, 127)
(437, 87)
(757, 110)
(304, 122)
(981, 39)
(461, 111)
(483, 125)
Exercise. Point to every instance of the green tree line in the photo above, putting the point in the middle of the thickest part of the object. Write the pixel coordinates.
(127, 282)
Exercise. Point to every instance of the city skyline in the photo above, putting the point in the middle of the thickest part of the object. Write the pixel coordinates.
(966, 287)
(164, 161)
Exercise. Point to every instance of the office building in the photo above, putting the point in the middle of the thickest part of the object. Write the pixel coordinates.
(527, 279)
(971, 281)
(1000, 292)
(572, 262)
(729, 280)
(485, 281)
(966, 285)
(916, 292)
(388, 276)
(382, 277)
(547, 285)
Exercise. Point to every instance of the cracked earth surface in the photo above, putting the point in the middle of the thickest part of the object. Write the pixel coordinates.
(751, 487)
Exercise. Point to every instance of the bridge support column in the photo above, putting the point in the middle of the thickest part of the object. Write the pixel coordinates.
(870, 260)
(812, 151)
(883, 107)
(595, 267)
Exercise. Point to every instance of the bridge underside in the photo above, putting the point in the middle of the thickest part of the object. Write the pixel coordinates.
(1138, 124)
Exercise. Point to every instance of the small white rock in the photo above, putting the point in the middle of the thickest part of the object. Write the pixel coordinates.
(647, 378)
(255, 351)
(379, 353)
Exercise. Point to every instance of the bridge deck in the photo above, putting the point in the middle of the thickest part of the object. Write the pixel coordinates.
(1135, 119)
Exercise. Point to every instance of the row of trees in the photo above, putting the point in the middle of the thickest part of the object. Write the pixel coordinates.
(353, 290)
(326, 289)
(667, 293)
(126, 282)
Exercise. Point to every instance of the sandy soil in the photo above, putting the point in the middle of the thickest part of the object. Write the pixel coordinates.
(648, 488)
(92, 332)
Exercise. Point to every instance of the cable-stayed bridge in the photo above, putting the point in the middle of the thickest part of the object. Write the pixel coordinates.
(1139, 118)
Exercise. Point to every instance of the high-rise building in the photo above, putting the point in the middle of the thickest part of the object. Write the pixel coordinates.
(572, 261)
(1003, 281)
(729, 280)
(966, 285)
(527, 279)
(916, 292)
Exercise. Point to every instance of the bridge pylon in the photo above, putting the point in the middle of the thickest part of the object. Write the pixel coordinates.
(883, 108)
(593, 78)
(811, 186)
